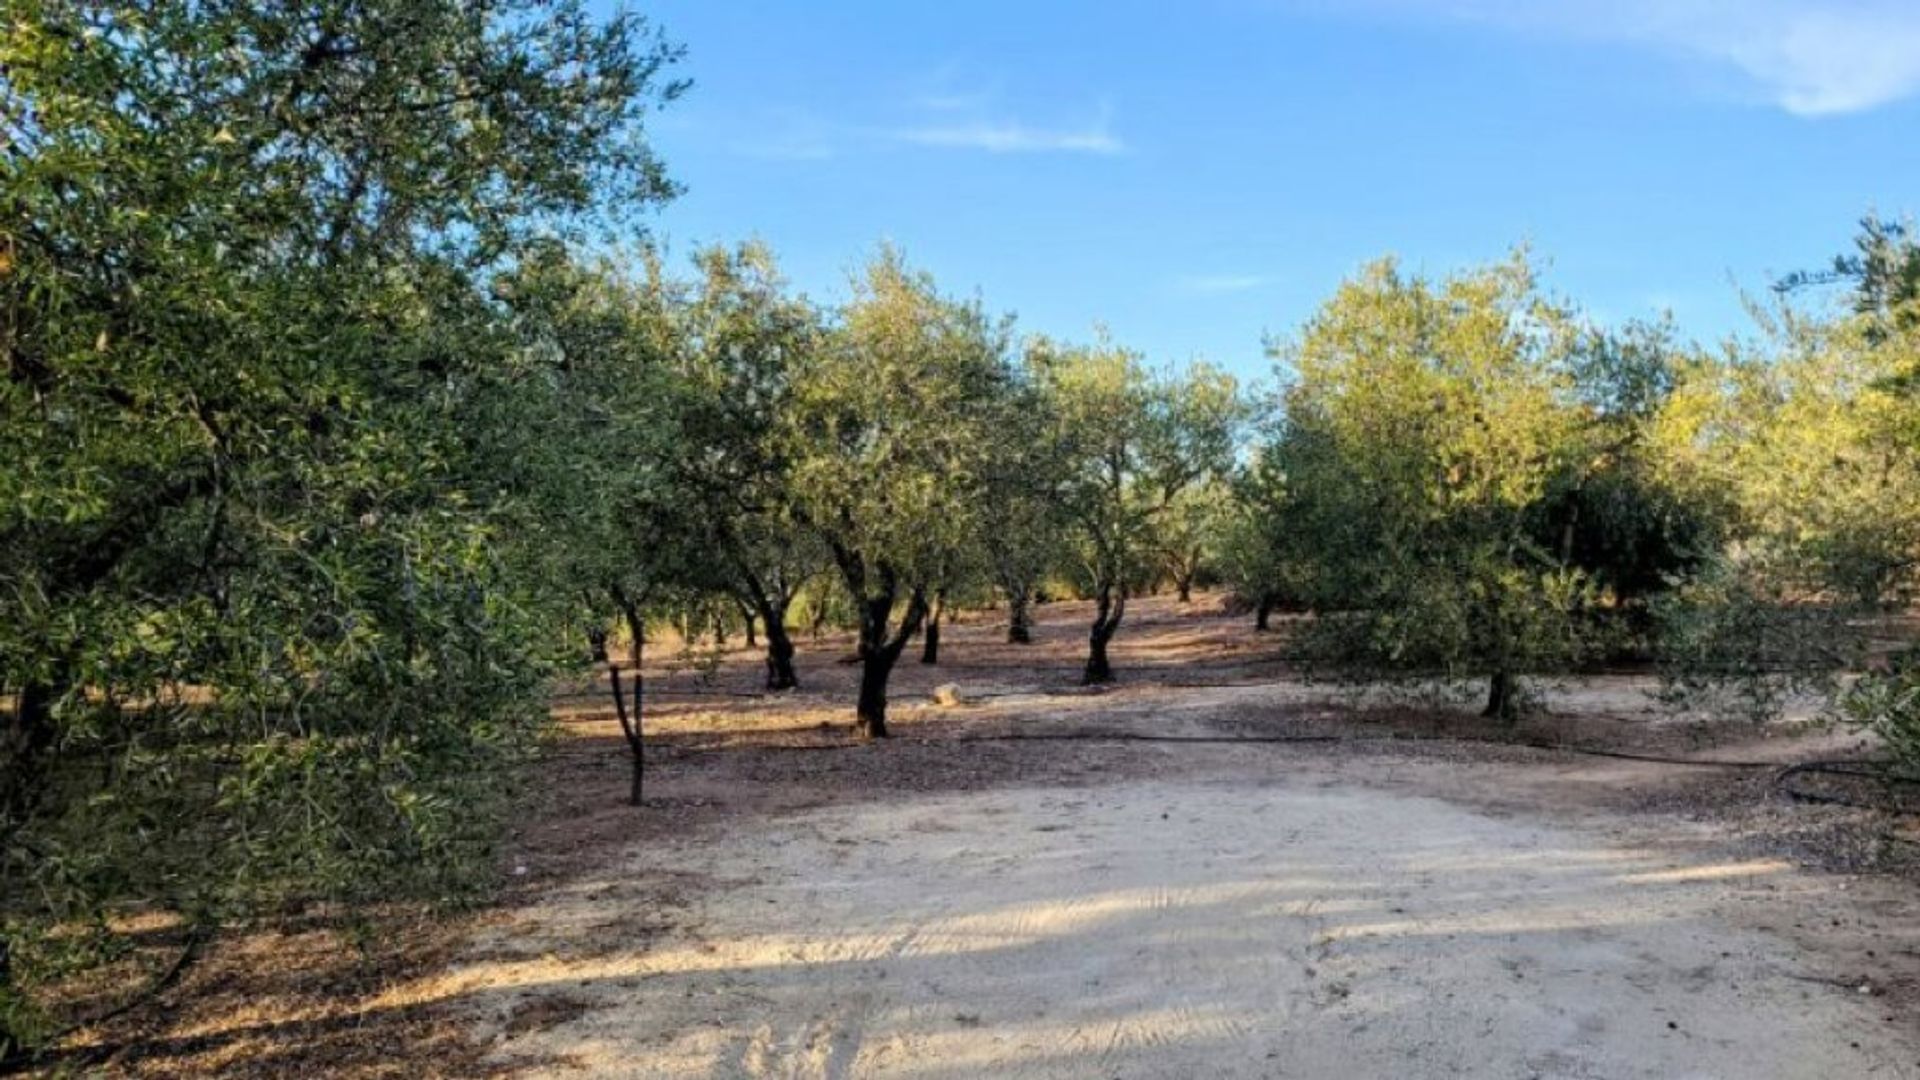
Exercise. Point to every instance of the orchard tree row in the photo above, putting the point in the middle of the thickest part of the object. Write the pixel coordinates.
(1463, 479)
(725, 439)
(345, 407)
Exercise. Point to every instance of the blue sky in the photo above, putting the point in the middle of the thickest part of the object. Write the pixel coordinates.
(1199, 175)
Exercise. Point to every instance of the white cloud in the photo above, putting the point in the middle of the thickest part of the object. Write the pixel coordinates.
(1221, 283)
(945, 115)
(1810, 57)
(964, 115)
(1012, 137)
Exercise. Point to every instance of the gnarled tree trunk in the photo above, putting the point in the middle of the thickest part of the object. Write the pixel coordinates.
(1263, 612)
(630, 729)
(1500, 697)
(1109, 607)
(1020, 616)
(874, 595)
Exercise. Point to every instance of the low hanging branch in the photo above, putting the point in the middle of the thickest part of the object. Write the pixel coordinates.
(630, 727)
(14, 1058)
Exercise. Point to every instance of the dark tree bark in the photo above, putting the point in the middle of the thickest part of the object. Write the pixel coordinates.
(1019, 616)
(1183, 586)
(870, 712)
(1263, 612)
(770, 604)
(1109, 608)
(753, 642)
(1500, 702)
(636, 625)
(29, 733)
(878, 654)
(930, 643)
(780, 673)
(631, 730)
(874, 594)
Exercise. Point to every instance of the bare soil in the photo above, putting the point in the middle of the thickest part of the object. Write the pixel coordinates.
(1024, 885)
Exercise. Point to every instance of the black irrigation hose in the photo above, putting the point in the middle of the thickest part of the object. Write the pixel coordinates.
(1857, 769)
(1131, 736)
(1225, 740)
(1864, 769)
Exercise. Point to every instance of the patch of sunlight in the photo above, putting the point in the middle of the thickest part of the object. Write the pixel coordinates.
(1713, 872)
(1537, 920)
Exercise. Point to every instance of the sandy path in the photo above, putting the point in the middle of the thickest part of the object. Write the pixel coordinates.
(1180, 929)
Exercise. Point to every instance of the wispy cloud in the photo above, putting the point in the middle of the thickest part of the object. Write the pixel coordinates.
(968, 115)
(940, 111)
(1220, 283)
(1810, 57)
(1013, 137)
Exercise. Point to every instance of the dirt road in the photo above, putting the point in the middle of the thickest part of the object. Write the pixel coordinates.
(1182, 929)
(795, 907)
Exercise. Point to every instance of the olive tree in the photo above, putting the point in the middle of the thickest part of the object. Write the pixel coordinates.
(1812, 439)
(601, 421)
(1022, 516)
(1136, 443)
(1424, 420)
(269, 622)
(744, 342)
(888, 431)
(1256, 539)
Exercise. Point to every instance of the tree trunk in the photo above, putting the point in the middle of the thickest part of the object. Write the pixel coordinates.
(819, 626)
(1500, 702)
(1108, 610)
(780, 673)
(878, 654)
(1098, 669)
(753, 642)
(1183, 584)
(636, 627)
(930, 646)
(597, 643)
(1019, 616)
(24, 741)
(30, 729)
(1263, 612)
(28, 734)
(631, 730)
(870, 715)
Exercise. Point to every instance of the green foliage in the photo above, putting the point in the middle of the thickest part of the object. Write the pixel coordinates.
(1022, 517)
(1887, 703)
(1424, 423)
(1815, 438)
(1614, 511)
(744, 342)
(888, 435)
(276, 610)
(1135, 445)
(890, 424)
(1736, 636)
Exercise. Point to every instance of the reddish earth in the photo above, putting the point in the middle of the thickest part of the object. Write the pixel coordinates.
(1019, 885)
